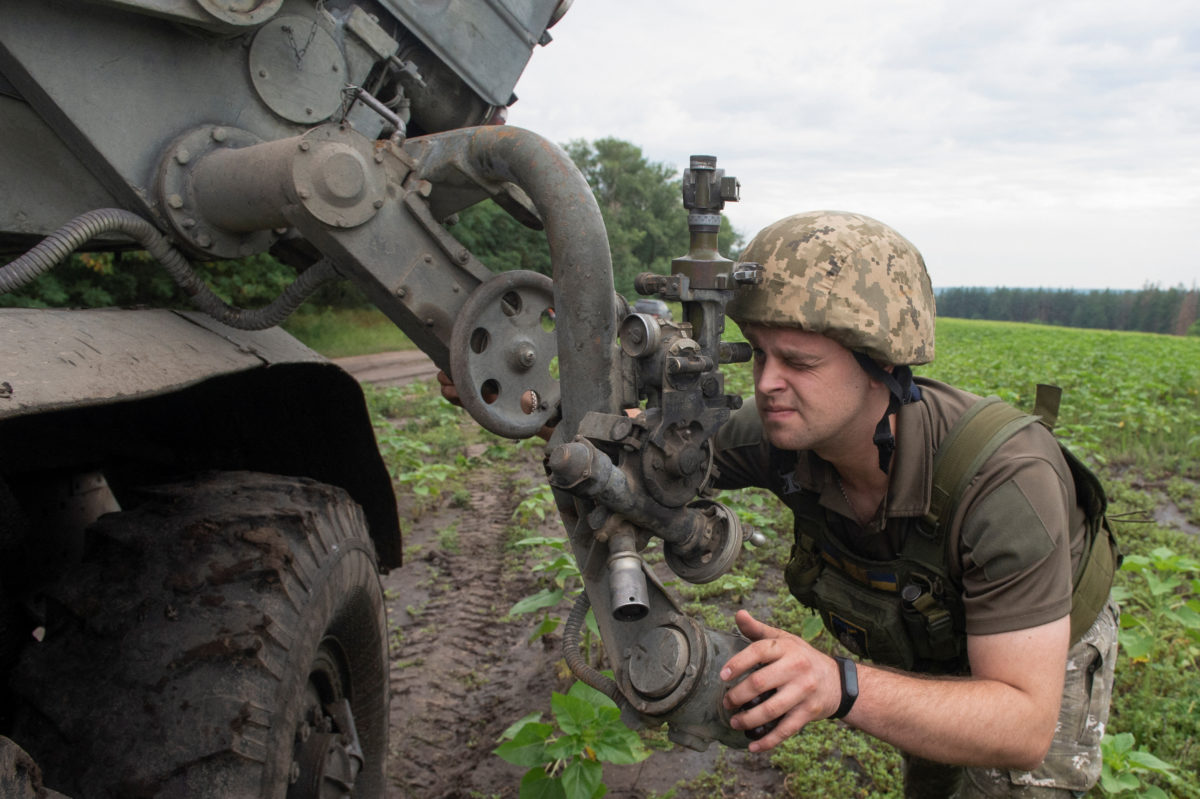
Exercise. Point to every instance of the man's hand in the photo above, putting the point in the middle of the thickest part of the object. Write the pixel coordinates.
(806, 682)
(528, 402)
(449, 392)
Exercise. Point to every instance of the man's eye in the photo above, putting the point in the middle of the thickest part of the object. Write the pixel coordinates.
(759, 355)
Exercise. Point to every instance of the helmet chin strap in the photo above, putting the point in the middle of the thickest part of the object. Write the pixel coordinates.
(901, 391)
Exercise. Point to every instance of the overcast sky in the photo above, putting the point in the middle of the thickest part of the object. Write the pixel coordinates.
(1027, 143)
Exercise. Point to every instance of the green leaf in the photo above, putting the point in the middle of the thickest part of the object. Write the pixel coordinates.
(581, 690)
(514, 728)
(546, 598)
(536, 784)
(548, 625)
(565, 747)
(528, 746)
(621, 745)
(1149, 761)
(581, 779)
(573, 714)
(1137, 644)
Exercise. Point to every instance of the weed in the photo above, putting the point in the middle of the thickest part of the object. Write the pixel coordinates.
(448, 538)
(1125, 769)
(567, 758)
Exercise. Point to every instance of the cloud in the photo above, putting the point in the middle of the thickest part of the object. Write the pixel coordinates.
(1017, 143)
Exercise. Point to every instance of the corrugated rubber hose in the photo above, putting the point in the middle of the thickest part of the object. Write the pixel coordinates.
(579, 667)
(58, 245)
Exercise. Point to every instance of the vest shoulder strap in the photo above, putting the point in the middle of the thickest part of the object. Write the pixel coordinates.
(972, 440)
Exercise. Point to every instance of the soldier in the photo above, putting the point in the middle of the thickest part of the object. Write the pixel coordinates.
(977, 660)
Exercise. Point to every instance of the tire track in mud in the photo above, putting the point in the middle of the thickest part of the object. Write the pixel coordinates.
(459, 676)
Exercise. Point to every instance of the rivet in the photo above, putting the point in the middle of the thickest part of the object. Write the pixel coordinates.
(203, 239)
(262, 73)
(182, 156)
(218, 134)
(175, 201)
(304, 146)
(377, 204)
(427, 258)
(304, 194)
(401, 292)
(308, 111)
(189, 222)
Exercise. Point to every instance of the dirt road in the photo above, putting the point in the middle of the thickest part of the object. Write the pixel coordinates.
(389, 368)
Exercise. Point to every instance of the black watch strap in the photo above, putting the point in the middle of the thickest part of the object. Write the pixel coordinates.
(848, 672)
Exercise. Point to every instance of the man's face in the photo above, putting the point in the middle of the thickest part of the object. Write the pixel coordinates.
(811, 392)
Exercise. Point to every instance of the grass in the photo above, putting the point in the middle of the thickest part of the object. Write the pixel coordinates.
(340, 332)
(1131, 407)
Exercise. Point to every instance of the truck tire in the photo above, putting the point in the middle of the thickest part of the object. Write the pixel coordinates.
(205, 645)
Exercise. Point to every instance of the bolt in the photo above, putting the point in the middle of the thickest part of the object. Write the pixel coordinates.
(188, 223)
(308, 111)
(463, 256)
(175, 201)
(379, 156)
(457, 288)
(203, 239)
(304, 731)
(335, 67)
(304, 194)
(182, 156)
(219, 134)
(279, 231)
(294, 773)
(377, 204)
(340, 222)
(427, 258)
(262, 73)
(401, 292)
(429, 321)
(304, 146)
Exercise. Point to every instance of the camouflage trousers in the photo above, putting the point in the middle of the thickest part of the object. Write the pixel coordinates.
(1073, 763)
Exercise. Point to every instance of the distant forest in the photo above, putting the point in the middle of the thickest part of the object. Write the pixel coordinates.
(1151, 310)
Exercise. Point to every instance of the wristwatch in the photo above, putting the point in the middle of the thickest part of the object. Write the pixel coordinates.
(849, 674)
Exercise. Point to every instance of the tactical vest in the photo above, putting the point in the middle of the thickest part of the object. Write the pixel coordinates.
(907, 612)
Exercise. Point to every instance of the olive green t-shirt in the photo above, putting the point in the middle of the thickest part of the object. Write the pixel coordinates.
(1015, 538)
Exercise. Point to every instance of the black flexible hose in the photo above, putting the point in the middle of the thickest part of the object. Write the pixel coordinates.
(572, 634)
(61, 243)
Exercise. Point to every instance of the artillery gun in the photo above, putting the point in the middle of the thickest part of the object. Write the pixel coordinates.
(193, 512)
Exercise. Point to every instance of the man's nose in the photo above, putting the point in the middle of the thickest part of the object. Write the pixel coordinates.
(767, 377)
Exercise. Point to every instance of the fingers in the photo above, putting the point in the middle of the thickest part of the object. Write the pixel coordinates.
(777, 678)
(449, 392)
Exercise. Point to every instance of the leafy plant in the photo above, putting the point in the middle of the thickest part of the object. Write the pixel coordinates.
(1125, 769)
(1162, 607)
(563, 574)
(566, 759)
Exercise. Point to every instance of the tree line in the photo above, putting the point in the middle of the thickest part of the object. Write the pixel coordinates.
(640, 201)
(1151, 309)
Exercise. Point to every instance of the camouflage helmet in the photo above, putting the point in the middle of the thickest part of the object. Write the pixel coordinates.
(846, 276)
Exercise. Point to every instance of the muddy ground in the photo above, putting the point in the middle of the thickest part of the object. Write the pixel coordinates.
(460, 676)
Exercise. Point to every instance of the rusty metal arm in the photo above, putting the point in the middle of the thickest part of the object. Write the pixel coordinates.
(367, 206)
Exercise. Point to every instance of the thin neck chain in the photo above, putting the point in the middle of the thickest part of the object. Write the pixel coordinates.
(845, 496)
